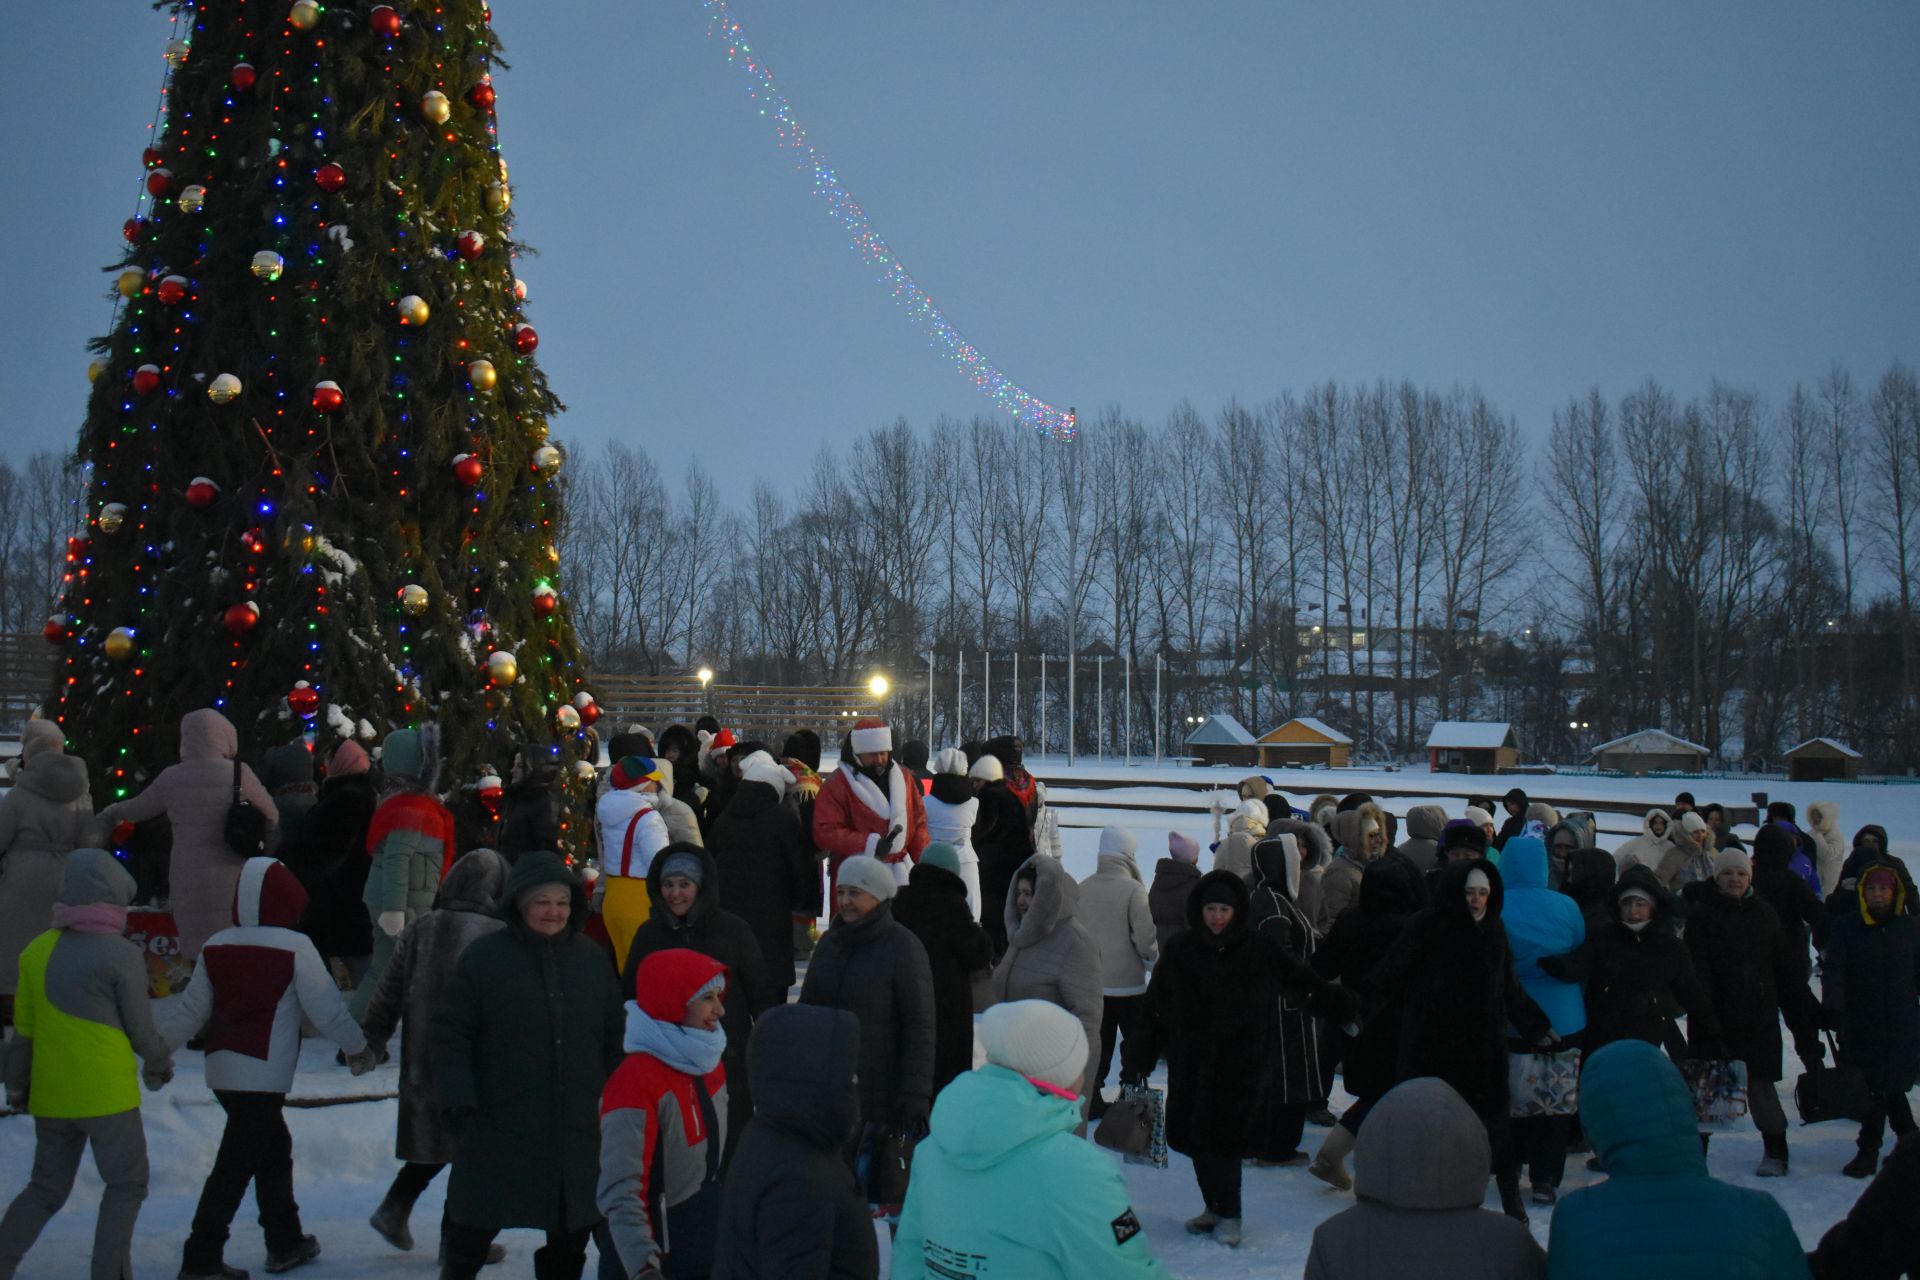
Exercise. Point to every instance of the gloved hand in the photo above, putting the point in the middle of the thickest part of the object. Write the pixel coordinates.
(1128, 1080)
(364, 1061)
(910, 1114)
(392, 922)
(155, 1080)
(457, 1120)
(886, 844)
(1811, 1052)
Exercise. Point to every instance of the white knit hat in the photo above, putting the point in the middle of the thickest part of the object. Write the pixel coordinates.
(987, 769)
(864, 872)
(1479, 817)
(1038, 1039)
(761, 768)
(1252, 809)
(951, 760)
(1118, 842)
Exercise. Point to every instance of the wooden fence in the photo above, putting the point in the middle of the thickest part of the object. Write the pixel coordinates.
(26, 673)
(766, 713)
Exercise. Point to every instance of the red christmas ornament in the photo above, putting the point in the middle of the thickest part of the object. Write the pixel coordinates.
(589, 709)
(471, 245)
(241, 618)
(134, 229)
(201, 491)
(151, 157)
(56, 630)
(243, 77)
(159, 182)
(525, 339)
(385, 20)
(79, 548)
(330, 177)
(173, 290)
(303, 699)
(469, 470)
(328, 398)
(482, 95)
(545, 602)
(146, 379)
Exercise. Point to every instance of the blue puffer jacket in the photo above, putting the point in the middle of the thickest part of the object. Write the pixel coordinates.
(1002, 1187)
(1658, 1213)
(1541, 922)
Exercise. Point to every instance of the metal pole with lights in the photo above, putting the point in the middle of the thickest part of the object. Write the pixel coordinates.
(986, 698)
(1159, 661)
(706, 694)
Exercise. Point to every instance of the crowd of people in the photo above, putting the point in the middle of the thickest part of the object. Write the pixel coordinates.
(610, 1049)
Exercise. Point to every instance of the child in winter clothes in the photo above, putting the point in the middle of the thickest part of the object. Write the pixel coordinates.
(632, 831)
(82, 1014)
(411, 844)
(663, 1123)
(255, 982)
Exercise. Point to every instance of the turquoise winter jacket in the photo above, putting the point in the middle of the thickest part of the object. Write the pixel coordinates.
(1001, 1187)
(1658, 1213)
(1541, 922)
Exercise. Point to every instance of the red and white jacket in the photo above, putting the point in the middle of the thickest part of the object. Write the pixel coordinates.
(253, 982)
(851, 817)
(631, 832)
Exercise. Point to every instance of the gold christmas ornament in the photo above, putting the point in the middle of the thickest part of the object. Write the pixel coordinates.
(413, 310)
(546, 460)
(224, 389)
(112, 517)
(119, 644)
(584, 771)
(566, 719)
(414, 599)
(131, 282)
(499, 198)
(304, 16)
(502, 667)
(176, 52)
(296, 541)
(94, 369)
(553, 553)
(193, 199)
(482, 375)
(268, 265)
(435, 107)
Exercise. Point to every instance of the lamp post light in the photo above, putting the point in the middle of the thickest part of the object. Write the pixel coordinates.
(706, 681)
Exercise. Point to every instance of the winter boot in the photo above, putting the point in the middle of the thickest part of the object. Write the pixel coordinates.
(223, 1272)
(390, 1221)
(1203, 1223)
(496, 1254)
(1228, 1232)
(1330, 1165)
(1545, 1194)
(1703, 1145)
(305, 1251)
(1322, 1117)
(1510, 1202)
(1774, 1163)
(1864, 1164)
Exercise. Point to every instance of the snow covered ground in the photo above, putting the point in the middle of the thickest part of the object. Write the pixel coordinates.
(344, 1154)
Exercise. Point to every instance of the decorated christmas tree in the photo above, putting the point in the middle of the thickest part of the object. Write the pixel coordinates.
(320, 493)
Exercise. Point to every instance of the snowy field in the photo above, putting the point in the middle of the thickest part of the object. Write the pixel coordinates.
(344, 1154)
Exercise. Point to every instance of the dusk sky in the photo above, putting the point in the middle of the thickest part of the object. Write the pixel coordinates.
(1117, 202)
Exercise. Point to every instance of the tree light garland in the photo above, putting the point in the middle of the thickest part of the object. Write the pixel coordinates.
(1011, 397)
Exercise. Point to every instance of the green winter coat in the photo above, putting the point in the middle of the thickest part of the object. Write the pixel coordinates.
(1002, 1187)
(526, 1033)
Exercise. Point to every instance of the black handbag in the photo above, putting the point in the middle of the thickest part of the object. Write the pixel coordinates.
(1127, 1126)
(246, 830)
(890, 1165)
(1838, 1092)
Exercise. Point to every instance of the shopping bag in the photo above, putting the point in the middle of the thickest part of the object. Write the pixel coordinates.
(1156, 1152)
(1719, 1090)
(1127, 1126)
(1543, 1084)
(1838, 1092)
(891, 1165)
(158, 938)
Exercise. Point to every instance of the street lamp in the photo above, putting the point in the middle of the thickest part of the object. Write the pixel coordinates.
(878, 687)
(706, 678)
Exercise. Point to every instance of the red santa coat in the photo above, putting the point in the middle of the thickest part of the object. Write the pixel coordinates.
(851, 817)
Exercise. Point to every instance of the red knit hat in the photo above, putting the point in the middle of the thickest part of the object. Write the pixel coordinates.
(669, 981)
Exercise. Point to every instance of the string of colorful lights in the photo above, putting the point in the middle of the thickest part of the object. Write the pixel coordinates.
(1009, 395)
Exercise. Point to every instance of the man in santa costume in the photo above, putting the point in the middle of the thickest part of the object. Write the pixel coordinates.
(871, 805)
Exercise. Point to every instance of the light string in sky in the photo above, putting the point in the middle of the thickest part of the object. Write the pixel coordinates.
(1009, 395)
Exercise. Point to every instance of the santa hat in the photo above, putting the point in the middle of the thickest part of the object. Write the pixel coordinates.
(490, 786)
(722, 741)
(761, 768)
(871, 734)
(1038, 1039)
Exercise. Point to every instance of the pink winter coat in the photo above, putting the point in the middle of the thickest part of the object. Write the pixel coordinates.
(195, 795)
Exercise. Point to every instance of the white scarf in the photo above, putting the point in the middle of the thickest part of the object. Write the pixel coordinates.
(686, 1049)
(891, 808)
